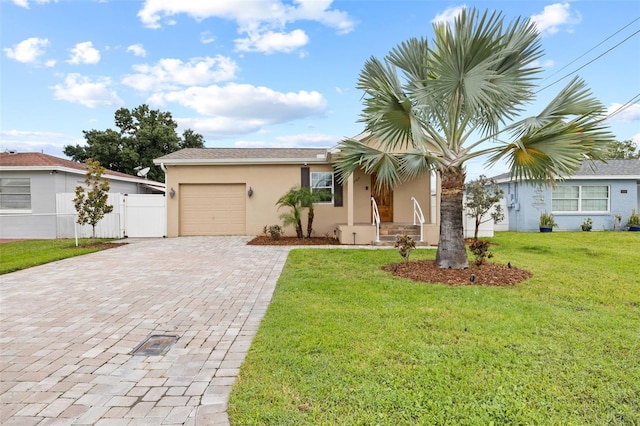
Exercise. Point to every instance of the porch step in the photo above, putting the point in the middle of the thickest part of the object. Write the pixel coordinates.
(389, 233)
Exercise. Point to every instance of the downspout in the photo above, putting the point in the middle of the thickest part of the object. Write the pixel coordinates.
(166, 201)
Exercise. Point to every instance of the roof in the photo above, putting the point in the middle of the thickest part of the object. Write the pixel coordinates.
(39, 161)
(245, 155)
(611, 169)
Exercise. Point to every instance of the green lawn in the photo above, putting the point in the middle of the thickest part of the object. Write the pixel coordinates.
(25, 254)
(343, 342)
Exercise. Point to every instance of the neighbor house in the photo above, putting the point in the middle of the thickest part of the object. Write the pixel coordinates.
(600, 191)
(30, 188)
(235, 191)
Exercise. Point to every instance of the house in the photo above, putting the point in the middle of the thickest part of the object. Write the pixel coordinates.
(227, 191)
(30, 187)
(600, 191)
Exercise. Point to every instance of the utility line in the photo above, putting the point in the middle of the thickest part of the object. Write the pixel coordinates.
(591, 50)
(588, 63)
(623, 107)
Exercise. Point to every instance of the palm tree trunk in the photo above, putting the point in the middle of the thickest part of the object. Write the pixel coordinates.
(452, 252)
(310, 217)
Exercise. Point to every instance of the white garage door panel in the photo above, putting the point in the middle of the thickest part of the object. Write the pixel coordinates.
(216, 209)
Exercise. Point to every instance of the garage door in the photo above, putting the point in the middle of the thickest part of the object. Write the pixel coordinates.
(216, 209)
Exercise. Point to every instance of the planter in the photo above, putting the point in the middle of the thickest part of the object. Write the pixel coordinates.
(634, 228)
(545, 229)
(586, 228)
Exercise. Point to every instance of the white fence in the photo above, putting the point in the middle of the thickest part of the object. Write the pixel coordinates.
(133, 215)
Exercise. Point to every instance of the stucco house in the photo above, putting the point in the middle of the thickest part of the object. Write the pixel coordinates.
(30, 184)
(234, 191)
(600, 191)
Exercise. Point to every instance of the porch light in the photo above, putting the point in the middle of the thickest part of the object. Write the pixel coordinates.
(172, 193)
(250, 192)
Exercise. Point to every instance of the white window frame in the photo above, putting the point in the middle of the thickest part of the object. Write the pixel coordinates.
(314, 180)
(2, 193)
(582, 198)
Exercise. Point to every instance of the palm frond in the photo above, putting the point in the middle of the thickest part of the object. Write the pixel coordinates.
(355, 154)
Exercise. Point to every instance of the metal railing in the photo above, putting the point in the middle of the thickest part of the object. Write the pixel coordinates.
(376, 218)
(417, 214)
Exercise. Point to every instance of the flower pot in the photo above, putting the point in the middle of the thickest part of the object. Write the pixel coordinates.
(545, 229)
(634, 228)
(586, 228)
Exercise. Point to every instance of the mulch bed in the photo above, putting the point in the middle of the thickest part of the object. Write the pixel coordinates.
(293, 241)
(100, 246)
(489, 274)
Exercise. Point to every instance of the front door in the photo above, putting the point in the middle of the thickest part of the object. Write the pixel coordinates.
(384, 200)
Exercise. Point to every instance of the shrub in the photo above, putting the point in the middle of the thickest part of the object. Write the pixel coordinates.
(480, 250)
(273, 231)
(405, 244)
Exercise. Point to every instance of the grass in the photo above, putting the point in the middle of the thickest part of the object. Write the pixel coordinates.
(18, 255)
(343, 342)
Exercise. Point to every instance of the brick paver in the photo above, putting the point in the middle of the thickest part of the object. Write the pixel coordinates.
(67, 329)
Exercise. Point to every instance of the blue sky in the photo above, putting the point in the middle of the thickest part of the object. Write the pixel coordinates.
(268, 73)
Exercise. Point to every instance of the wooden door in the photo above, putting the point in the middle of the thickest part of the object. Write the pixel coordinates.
(384, 200)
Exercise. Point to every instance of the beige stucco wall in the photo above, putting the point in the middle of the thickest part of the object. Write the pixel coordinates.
(269, 183)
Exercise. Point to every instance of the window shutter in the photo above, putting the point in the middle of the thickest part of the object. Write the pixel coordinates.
(305, 177)
(337, 189)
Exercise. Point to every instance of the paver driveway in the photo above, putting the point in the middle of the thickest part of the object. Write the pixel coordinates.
(67, 329)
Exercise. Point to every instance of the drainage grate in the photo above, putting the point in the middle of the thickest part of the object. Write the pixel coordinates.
(157, 344)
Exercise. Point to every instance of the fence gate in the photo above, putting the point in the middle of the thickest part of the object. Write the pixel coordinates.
(144, 215)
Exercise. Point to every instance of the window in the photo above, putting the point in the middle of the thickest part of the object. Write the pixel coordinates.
(15, 194)
(322, 182)
(574, 198)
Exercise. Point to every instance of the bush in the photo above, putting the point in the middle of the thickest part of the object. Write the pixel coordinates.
(405, 244)
(273, 231)
(480, 249)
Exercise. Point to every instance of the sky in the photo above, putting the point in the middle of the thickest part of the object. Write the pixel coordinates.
(267, 73)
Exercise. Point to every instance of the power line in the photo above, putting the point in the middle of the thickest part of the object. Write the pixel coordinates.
(592, 49)
(623, 107)
(588, 63)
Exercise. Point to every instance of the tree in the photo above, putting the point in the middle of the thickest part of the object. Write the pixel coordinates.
(623, 150)
(482, 195)
(292, 199)
(308, 198)
(91, 204)
(144, 134)
(454, 96)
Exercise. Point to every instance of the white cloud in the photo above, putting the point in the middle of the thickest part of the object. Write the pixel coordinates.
(271, 42)
(546, 64)
(172, 73)
(206, 37)
(84, 53)
(555, 16)
(51, 143)
(137, 49)
(241, 108)
(629, 114)
(263, 22)
(303, 140)
(27, 50)
(25, 3)
(636, 139)
(448, 15)
(80, 89)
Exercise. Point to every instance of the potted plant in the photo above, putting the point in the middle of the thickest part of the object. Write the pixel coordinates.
(546, 222)
(587, 224)
(634, 221)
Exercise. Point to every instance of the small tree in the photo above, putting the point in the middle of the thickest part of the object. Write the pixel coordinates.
(91, 203)
(482, 195)
(292, 199)
(308, 197)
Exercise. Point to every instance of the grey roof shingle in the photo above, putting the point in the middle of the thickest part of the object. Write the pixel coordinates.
(245, 154)
(617, 167)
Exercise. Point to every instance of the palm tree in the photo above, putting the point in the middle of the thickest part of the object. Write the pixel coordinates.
(293, 200)
(457, 94)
